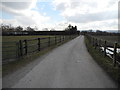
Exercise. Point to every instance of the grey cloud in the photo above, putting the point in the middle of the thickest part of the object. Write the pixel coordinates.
(112, 2)
(10, 11)
(84, 18)
(60, 6)
(24, 20)
(102, 25)
(88, 17)
(17, 5)
(73, 4)
(14, 8)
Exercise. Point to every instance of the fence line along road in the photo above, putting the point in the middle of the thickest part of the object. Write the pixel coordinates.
(12, 51)
(104, 47)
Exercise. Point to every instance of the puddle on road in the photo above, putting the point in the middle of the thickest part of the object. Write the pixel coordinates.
(107, 51)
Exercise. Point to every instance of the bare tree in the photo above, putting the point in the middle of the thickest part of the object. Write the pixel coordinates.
(30, 29)
(19, 28)
(45, 29)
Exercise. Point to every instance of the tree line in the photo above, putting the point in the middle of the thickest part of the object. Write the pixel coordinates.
(98, 32)
(10, 30)
(4, 27)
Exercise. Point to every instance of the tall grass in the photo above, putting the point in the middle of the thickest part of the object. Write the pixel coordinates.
(105, 62)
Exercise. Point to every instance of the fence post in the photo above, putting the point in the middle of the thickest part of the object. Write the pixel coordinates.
(26, 47)
(72, 36)
(21, 48)
(39, 44)
(63, 37)
(17, 49)
(114, 54)
(69, 36)
(55, 40)
(60, 38)
(93, 41)
(105, 48)
(96, 43)
(90, 39)
(48, 41)
(99, 44)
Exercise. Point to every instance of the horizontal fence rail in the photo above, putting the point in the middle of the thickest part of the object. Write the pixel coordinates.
(12, 51)
(110, 49)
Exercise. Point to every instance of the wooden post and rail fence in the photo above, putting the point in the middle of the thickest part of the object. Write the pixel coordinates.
(27, 46)
(104, 47)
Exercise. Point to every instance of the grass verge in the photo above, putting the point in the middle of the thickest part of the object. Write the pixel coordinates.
(14, 66)
(104, 62)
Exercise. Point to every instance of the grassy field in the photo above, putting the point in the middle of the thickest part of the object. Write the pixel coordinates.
(110, 38)
(17, 38)
(10, 44)
(10, 47)
(105, 62)
(22, 61)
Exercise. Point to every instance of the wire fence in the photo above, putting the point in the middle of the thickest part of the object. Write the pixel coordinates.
(108, 48)
(12, 51)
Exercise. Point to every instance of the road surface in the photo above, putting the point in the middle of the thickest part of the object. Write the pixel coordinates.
(68, 66)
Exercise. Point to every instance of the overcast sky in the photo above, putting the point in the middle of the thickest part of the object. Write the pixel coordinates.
(57, 14)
